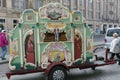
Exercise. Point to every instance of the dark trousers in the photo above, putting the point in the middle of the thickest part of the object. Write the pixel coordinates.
(113, 54)
(117, 55)
(4, 51)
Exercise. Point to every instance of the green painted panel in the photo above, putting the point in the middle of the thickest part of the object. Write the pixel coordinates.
(29, 17)
(15, 33)
(68, 45)
(42, 47)
(77, 18)
(88, 57)
(16, 62)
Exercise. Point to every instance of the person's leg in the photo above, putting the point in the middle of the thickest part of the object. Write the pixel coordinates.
(4, 51)
(112, 55)
(118, 56)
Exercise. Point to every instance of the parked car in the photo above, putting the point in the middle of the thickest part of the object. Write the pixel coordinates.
(109, 35)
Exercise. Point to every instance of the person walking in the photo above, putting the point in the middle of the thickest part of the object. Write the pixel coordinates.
(3, 44)
(114, 48)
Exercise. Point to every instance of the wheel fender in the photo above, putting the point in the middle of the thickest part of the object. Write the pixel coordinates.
(52, 65)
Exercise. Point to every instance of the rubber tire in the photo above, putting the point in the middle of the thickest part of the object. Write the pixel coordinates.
(57, 68)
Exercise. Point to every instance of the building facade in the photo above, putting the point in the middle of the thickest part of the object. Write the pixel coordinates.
(99, 14)
(10, 12)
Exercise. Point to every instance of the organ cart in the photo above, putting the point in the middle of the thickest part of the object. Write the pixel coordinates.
(52, 40)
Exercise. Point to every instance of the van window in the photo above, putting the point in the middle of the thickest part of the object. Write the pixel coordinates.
(111, 31)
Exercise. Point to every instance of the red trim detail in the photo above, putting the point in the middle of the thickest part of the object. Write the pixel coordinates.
(8, 75)
(23, 71)
(86, 65)
(106, 54)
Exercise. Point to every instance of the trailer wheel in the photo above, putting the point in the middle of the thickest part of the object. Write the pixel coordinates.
(58, 73)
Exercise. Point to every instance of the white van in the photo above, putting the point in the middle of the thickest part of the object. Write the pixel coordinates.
(109, 35)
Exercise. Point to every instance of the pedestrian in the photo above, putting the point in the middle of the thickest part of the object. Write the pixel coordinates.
(114, 48)
(3, 44)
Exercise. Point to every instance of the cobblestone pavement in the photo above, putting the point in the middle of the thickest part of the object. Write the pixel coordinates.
(109, 72)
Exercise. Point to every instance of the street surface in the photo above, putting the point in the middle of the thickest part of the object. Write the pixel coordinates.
(108, 72)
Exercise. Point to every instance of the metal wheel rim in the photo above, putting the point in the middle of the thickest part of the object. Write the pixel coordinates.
(58, 75)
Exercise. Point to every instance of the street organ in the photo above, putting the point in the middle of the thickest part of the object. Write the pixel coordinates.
(50, 40)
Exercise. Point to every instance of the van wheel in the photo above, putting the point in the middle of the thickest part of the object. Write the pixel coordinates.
(58, 73)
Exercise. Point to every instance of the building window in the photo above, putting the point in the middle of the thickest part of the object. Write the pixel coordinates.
(19, 4)
(82, 7)
(90, 4)
(36, 4)
(40, 3)
(97, 6)
(2, 20)
(119, 10)
(75, 5)
(2, 3)
(82, 3)
(1, 27)
(105, 15)
(105, 0)
(66, 3)
(90, 9)
(90, 15)
(83, 12)
(16, 3)
(2, 23)
(105, 11)
(15, 22)
(97, 15)
(105, 7)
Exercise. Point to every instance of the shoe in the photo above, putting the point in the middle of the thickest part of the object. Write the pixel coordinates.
(118, 63)
(3, 58)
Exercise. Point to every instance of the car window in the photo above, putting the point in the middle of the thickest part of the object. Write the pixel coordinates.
(111, 31)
